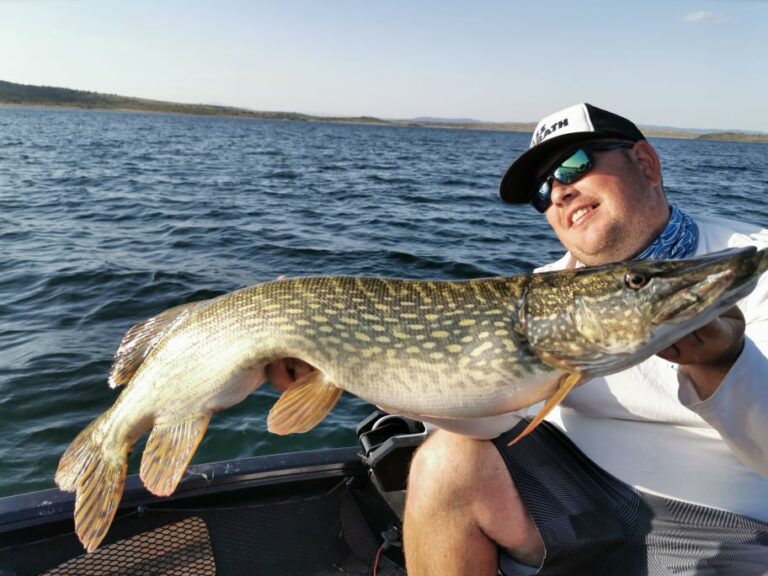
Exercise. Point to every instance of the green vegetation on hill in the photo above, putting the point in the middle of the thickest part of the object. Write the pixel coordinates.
(734, 137)
(12, 94)
(25, 95)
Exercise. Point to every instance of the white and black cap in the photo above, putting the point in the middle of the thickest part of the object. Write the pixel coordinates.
(566, 128)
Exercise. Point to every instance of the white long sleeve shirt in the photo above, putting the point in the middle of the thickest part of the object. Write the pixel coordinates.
(648, 427)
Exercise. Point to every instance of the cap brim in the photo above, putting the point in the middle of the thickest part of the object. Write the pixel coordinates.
(517, 183)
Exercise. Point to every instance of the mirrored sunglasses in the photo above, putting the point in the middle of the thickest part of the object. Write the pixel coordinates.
(568, 170)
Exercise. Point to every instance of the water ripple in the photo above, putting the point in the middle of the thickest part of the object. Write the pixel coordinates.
(109, 218)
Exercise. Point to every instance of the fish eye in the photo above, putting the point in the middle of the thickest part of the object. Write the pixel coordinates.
(636, 280)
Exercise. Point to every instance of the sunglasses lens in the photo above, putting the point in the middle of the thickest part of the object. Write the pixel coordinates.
(542, 197)
(573, 167)
(566, 172)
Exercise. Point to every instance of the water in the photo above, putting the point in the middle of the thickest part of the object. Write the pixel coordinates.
(109, 218)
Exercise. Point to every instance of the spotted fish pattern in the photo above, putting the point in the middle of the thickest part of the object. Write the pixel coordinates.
(423, 348)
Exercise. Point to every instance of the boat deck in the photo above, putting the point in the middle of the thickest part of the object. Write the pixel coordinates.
(308, 513)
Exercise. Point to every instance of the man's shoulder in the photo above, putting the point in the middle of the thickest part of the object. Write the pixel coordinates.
(717, 233)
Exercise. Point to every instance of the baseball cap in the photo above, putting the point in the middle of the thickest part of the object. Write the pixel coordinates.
(570, 126)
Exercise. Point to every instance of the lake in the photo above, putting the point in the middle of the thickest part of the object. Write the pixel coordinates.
(109, 218)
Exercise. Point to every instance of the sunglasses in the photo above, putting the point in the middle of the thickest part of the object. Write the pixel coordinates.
(569, 169)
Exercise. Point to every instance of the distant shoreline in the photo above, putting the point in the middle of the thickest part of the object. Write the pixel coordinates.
(25, 96)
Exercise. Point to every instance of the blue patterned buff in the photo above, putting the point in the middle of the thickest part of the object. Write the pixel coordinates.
(678, 240)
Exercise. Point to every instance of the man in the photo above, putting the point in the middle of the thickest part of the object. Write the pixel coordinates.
(662, 468)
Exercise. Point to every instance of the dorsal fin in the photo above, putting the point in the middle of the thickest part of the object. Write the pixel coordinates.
(139, 341)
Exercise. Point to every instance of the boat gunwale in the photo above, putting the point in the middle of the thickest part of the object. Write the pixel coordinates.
(27, 510)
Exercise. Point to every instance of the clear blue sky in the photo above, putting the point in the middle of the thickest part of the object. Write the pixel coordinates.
(683, 63)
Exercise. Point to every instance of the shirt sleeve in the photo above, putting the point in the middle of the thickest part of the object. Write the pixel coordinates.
(738, 410)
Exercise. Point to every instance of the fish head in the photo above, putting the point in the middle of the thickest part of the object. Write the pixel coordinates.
(603, 319)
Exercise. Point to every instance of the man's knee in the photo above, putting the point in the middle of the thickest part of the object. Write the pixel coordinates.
(453, 473)
(441, 530)
(454, 470)
(444, 459)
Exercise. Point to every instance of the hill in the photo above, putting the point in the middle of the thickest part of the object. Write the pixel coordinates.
(27, 95)
(12, 94)
(734, 137)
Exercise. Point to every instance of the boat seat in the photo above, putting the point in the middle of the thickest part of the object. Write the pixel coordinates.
(388, 442)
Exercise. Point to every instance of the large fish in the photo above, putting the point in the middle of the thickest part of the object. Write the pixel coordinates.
(427, 349)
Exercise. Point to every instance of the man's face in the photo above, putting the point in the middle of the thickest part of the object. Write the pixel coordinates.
(615, 210)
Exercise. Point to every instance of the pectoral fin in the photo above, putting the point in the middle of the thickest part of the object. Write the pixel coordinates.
(169, 449)
(567, 383)
(304, 404)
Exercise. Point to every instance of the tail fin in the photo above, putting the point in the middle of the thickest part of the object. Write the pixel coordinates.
(98, 479)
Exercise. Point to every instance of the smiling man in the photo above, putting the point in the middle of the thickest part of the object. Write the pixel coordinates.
(660, 469)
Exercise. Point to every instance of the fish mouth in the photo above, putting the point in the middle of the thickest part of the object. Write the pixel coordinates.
(718, 282)
(686, 303)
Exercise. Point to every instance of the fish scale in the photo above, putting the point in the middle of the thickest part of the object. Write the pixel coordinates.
(434, 350)
(399, 333)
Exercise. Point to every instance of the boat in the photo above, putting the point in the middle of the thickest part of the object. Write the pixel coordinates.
(321, 512)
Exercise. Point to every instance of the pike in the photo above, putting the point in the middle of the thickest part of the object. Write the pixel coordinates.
(438, 349)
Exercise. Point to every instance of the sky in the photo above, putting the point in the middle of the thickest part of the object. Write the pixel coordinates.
(681, 63)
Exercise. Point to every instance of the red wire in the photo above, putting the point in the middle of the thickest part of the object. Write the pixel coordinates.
(376, 562)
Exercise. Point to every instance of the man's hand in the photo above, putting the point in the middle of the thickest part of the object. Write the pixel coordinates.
(708, 353)
(285, 371)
